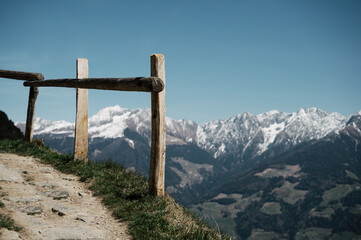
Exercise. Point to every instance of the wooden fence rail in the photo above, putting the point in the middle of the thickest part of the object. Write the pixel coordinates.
(33, 94)
(28, 76)
(155, 84)
(139, 84)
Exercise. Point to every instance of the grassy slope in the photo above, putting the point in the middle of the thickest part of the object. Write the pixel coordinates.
(126, 194)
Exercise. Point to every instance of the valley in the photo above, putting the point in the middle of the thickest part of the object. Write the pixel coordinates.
(268, 176)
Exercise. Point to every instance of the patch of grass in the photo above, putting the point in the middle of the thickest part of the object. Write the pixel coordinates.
(271, 208)
(217, 216)
(345, 235)
(313, 233)
(259, 234)
(351, 175)
(8, 223)
(126, 194)
(336, 193)
(2, 204)
(288, 193)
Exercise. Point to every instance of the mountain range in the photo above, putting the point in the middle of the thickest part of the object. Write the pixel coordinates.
(256, 176)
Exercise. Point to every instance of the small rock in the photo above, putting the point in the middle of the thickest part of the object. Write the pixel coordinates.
(31, 210)
(23, 200)
(69, 179)
(57, 211)
(57, 194)
(80, 219)
(81, 194)
(46, 184)
(61, 214)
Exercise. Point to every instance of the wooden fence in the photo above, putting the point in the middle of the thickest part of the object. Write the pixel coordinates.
(33, 94)
(155, 84)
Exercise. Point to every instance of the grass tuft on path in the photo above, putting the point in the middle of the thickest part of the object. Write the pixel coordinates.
(8, 223)
(126, 194)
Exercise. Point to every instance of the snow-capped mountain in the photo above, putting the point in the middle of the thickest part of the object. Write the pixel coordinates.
(210, 152)
(260, 132)
(111, 122)
(237, 168)
(303, 183)
(236, 135)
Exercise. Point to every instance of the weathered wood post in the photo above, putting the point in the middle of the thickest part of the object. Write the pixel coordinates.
(157, 156)
(33, 94)
(81, 119)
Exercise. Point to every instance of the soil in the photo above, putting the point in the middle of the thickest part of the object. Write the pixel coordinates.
(48, 204)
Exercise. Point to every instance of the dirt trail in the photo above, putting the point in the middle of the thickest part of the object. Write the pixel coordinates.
(51, 205)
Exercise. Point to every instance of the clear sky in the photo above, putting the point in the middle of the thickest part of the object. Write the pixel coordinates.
(222, 57)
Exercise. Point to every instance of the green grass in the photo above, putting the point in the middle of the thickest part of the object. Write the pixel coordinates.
(288, 193)
(351, 175)
(7, 222)
(258, 234)
(336, 193)
(345, 235)
(271, 208)
(313, 233)
(126, 194)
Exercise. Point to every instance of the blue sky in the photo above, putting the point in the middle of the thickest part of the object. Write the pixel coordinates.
(222, 57)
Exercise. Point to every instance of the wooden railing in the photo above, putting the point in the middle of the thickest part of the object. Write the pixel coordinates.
(33, 94)
(155, 84)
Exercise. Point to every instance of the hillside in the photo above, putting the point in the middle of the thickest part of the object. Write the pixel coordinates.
(310, 192)
(216, 168)
(123, 192)
(7, 128)
(216, 150)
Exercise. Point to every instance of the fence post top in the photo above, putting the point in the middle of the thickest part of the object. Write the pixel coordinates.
(158, 55)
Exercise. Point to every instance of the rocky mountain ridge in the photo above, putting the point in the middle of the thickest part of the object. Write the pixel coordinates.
(240, 166)
(214, 151)
(219, 137)
(312, 191)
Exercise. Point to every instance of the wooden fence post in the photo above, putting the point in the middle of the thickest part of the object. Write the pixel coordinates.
(81, 120)
(157, 156)
(33, 94)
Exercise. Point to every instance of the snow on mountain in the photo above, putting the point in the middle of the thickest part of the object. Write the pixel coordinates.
(313, 123)
(42, 126)
(353, 126)
(220, 136)
(234, 135)
(111, 122)
(267, 129)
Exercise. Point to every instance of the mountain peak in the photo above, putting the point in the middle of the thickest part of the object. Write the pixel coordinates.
(243, 115)
(110, 111)
(267, 115)
(235, 135)
(272, 112)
